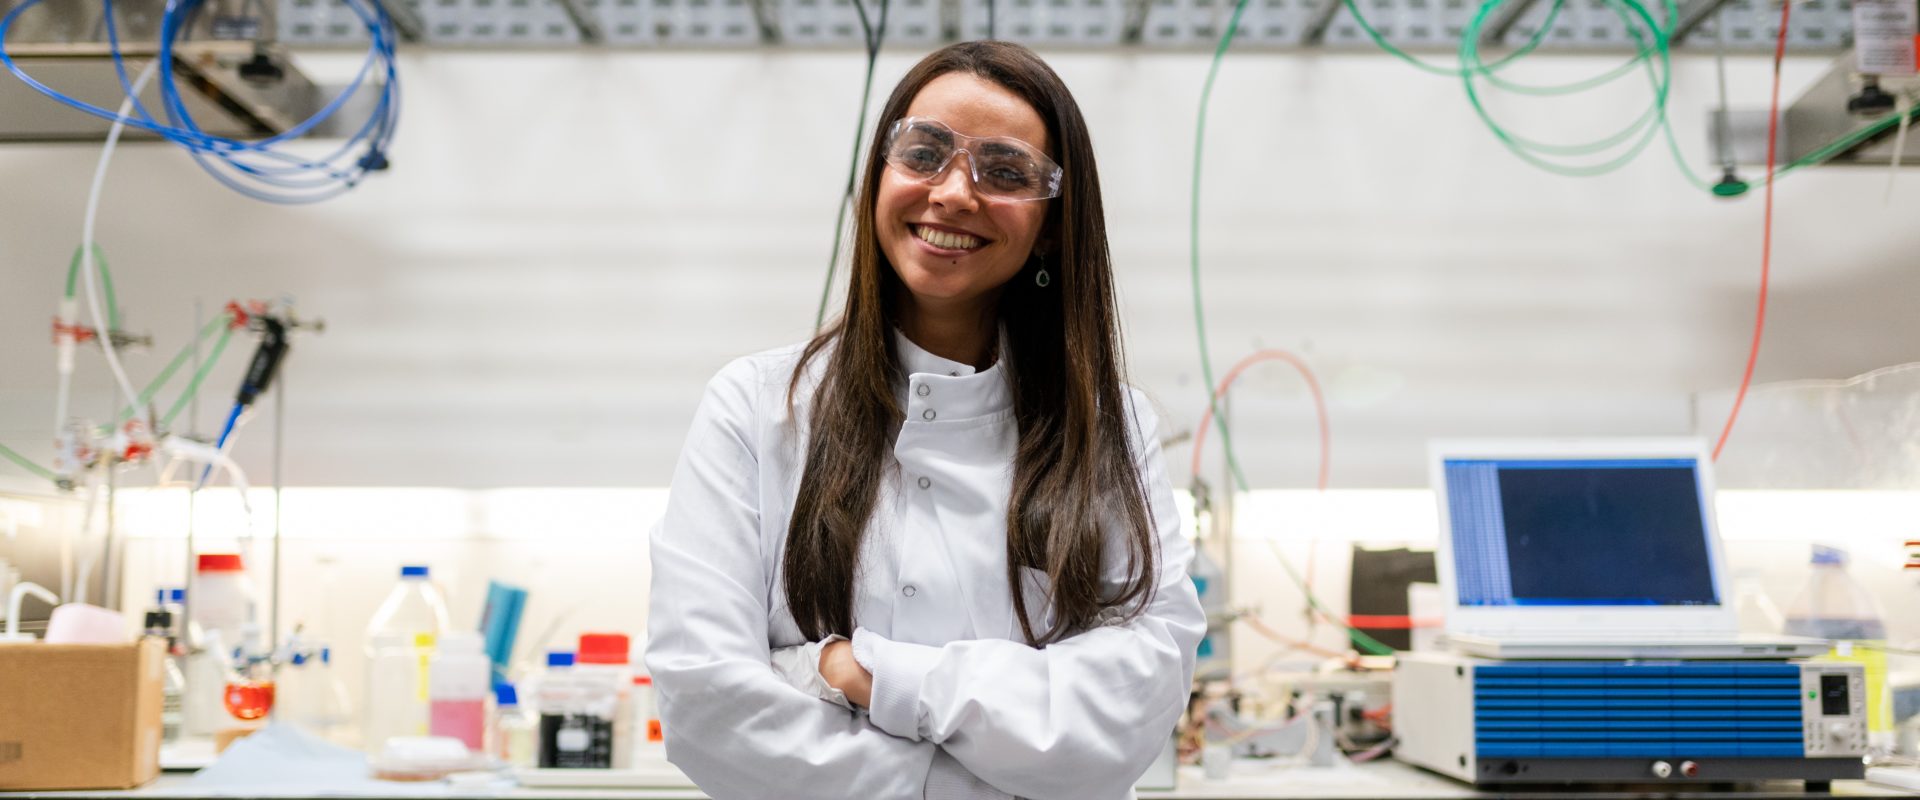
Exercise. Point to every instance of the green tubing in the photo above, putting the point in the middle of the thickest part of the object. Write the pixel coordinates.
(106, 282)
(1360, 639)
(1640, 133)
(29, 466)
(193, 387)
(179, 360)
(1193, 238)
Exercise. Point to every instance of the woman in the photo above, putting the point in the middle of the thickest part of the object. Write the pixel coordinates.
(934, 552)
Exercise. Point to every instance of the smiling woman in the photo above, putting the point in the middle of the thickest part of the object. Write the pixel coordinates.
(934, 552)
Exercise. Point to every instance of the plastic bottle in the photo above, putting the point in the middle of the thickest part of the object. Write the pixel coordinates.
(515, 733)
(649, 738)
(202, 713)
(159, 625)
(1834, 606)
(394, 706)
(561, 744)
(601, 664)
(312, 696)
(457, 690)
(222, 595)
(173, 694)
(415, 615)
(413, 607)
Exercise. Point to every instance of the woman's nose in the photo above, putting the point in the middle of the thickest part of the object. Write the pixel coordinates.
(953, 188)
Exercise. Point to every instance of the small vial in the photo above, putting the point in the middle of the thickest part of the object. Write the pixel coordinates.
(515, 733)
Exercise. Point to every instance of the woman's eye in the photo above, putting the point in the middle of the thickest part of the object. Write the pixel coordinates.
(1008, 177)
(922, 158)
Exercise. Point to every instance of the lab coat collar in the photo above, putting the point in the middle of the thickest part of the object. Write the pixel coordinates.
(949, 389)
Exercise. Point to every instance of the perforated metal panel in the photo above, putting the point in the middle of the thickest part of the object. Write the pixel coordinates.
(1681, 710)
(1423, 25)
(1047, 22)
(837, 22)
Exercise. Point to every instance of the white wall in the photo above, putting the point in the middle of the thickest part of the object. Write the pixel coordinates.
(571, 243)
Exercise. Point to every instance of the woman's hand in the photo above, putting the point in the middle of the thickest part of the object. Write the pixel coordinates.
(841, 671)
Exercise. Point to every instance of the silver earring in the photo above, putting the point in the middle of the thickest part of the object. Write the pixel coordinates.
(1041, 278)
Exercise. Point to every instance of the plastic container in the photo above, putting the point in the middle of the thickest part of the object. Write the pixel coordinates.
(1834, 606)
(414, 606)
(173, 685)
(313, 697)
(414, 616)
(516, 734)
(555, 701)
(601, 664)
(201, 709)
(223, 598)
(457, 690)
(649, 738)
(395, 704)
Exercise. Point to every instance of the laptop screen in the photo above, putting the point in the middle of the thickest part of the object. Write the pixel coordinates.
(1579, 532)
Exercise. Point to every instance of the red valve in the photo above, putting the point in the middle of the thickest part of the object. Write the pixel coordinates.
(79, 333)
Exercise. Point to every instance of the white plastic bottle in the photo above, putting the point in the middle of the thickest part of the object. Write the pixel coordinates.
(457, 705)
(223, 598)
(516, 733)
(601, 663)
(649, 738)
(205, 671)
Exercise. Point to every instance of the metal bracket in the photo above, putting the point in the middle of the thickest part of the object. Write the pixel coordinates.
(583, 19)
(1321, 20)
(763, 16)
(1134, 25)
(1503, 20)
(1692, 13)
(405, 19)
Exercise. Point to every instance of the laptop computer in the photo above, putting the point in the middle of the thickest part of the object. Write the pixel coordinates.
(1591, 549)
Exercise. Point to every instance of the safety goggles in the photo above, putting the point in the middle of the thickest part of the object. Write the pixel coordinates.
(1002, 167)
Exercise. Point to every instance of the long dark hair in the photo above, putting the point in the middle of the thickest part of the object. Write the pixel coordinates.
(1074, 472)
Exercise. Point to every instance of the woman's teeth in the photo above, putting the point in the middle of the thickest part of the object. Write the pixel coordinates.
(945, 240)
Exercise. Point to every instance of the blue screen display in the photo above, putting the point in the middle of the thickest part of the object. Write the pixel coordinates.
(1625, 532)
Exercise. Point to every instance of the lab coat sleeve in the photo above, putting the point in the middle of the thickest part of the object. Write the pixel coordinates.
(1081, 718)
(732, 724)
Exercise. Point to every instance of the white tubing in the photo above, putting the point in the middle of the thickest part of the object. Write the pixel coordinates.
(1905, 110)
(87, 266)
(14, 598)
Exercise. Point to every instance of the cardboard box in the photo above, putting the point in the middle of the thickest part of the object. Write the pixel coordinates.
(80, 716)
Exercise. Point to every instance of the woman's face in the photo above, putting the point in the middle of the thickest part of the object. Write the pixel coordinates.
(984, 242)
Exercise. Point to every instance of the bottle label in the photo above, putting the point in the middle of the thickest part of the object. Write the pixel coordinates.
(1886, 36)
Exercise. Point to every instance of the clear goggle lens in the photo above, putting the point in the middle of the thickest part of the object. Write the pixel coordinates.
(1002, 167)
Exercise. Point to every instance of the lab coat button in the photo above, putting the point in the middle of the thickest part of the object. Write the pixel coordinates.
(925, 482)
(908, 590)
(927, 415)
(924, 390)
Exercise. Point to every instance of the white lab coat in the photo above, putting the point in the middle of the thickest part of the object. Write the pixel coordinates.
(962, 707)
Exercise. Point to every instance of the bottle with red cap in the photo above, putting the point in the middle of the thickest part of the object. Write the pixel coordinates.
(601, 667)
(222, 596)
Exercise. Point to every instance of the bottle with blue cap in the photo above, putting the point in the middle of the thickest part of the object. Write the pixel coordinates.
(400, 641)
(1836, 607)
(515, 734)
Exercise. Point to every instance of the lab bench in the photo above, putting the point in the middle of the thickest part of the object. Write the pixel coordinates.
(1248, 781)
